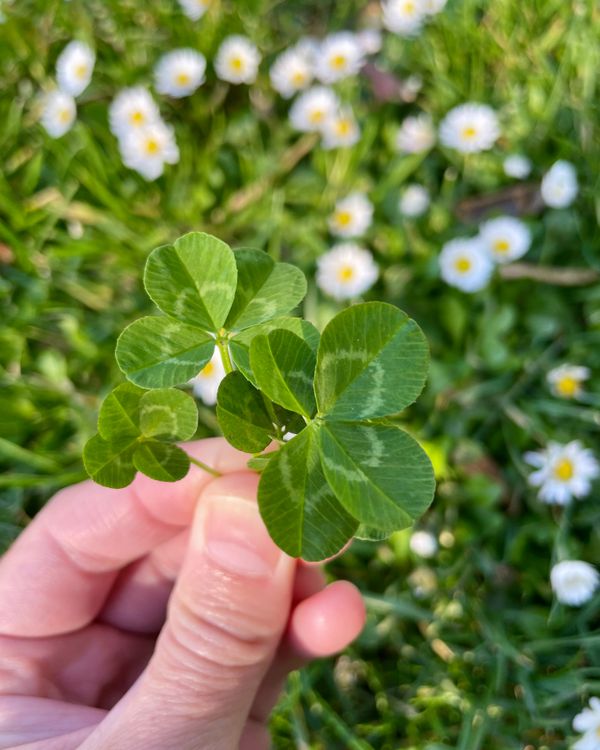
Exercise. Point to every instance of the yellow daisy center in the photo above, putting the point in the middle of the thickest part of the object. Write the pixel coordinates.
(152, 147)
(469, 132)
(316, 116)
(182, 79)
(299, 78)
(564, 470)
(501, 246)
(567, 386)
(64, 116)
(343, 218)
(207, 370)
(137, 117)
(236, 64)
(81, 70)
(338, 62)
(598, 732)
(462, 265)
(409, 7)
(345, 273)
(343, 127)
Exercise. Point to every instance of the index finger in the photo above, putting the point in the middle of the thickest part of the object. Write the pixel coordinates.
(58, 573)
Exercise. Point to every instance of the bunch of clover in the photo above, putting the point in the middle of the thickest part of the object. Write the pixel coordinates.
(348, 470)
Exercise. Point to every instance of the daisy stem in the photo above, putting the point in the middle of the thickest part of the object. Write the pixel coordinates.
(204, 467)
(224, 351)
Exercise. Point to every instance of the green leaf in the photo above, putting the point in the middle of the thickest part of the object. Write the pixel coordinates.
(379, 473)
(258, 463)
(110, 463)
(154, 352)
(265, 289)
(243, 415)
(239, 345)
(298, 507)
(372, 362)
(193, 280)
(168, 413)
(119, 414)
(283, 366)
(163, 461)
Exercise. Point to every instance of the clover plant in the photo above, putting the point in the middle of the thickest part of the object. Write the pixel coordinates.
(348, 469)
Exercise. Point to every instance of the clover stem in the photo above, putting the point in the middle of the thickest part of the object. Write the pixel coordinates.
(205, 467)
(224, 351)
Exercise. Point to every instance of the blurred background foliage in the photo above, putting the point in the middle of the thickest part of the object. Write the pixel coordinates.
(466, 650)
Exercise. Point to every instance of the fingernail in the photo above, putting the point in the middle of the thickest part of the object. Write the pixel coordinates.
(235, 538)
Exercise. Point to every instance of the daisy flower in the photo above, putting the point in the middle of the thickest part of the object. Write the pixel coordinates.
(404, 17)
(369, 40)
(566, 380)
(574, 582)
(340, 130)
(414, 201)
(194, 9)
(74, 68)
(179, 73)
(505, 238)
(559, 186)
(465, 264)
(313, 108)
(59, 113)
(131, 109)
(352, 216)
(237, 60)
(470, 128)
(588, 722)
(517, 165)
(346, 271)
(206, 383)
(291, 72)
(340, 56)
(148, 149)
(562, 472)
(423, 543)
(416, 134)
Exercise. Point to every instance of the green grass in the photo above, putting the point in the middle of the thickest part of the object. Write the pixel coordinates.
(482, 658)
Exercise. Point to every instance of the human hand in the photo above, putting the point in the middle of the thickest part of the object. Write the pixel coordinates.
(160, 616)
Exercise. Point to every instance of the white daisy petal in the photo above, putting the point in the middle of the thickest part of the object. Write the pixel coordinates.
(59, 113)
(505, 238)
(404, 17)
(574, 582)
(563, 472)
(74, 68)
(346, 271)
(559, 186)
(180, 72)
(194, 9)
(517, 166)
(352, 216)
(132, 108)
(340, 130)
(470, 128)
(567, 380)
(416, 134)
(237, 60)
(340, 56)
(465, 264)
(292, 71)
(206, 384)
(313, 108)
(414, 201)
(149, 148)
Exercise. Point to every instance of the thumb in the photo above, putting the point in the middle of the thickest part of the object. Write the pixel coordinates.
(226, 616)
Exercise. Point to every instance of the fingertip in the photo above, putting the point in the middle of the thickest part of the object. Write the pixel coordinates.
(328, 621)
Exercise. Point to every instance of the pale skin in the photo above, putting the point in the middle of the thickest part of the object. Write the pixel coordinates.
(159, 616)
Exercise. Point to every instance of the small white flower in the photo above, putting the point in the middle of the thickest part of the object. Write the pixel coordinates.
(313, 108)
(465, 264)
(346, 271)
(237, 60)
(352, 216)
(370, 41)
(404, 17)
(559, 186)
(59, 113)
(517, 166)
(574, 582)
(433, 7)
(179, 73)
(206, 383)
(416, 134)
(414, 201)
(340, 130)
(131, 109)
(340, 56)
(74, 68)
(194, 9)
(148, 149)
(291, 72)
(505, 238)
(566, 380)
(562, 472)
(470, 128)
(588, 722)
(423, 543)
